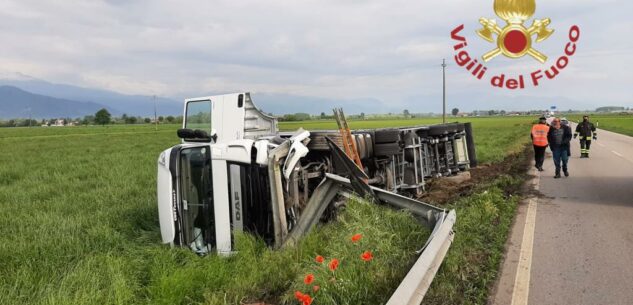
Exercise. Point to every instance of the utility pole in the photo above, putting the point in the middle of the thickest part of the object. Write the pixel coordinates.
(444, 91)
(155, 118)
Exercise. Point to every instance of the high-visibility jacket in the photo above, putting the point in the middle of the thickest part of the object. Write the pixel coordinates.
(539, 135)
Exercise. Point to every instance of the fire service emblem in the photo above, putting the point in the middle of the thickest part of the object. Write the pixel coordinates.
(514, 40)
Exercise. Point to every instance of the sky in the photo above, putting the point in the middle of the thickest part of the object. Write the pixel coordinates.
(387, 53)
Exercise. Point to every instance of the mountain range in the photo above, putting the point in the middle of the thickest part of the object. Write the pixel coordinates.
(44, 99)
(17, 103)
(22, 96)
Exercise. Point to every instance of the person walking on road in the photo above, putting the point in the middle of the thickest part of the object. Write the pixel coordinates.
(559, 137)
(565, 122)
(539, 140)
(587, 131)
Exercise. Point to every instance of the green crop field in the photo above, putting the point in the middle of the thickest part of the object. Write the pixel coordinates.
(79, 222)
(620, 123)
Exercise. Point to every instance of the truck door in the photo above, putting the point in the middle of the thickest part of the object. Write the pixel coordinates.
(185, 195)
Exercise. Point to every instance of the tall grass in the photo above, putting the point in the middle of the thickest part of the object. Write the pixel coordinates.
(79, 226)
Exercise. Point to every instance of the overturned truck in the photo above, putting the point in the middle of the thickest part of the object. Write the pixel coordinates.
(234, 171)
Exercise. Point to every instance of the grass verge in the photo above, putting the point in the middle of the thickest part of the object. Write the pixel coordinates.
(620, 123)
(483, 222)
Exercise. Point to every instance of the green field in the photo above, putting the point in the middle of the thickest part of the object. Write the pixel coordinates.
(79, 222)
(613, 122)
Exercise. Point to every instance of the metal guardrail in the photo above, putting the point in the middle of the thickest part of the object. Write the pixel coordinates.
(417, 281)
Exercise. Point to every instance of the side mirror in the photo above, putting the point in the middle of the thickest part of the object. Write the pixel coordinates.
(195, 135)
(214, 135)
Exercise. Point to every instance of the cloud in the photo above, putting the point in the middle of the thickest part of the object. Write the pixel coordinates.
(384, 51)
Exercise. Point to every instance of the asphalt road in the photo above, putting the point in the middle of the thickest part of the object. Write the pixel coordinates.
(582, 226)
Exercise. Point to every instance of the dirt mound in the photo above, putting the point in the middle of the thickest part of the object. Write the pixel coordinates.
(443, 191)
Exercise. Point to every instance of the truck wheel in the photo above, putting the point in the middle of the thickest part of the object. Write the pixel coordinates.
(383, 136)
(387, 149)
(360, 146)
(369, 145)
(409, 139)
(318, 142)
(438, 130)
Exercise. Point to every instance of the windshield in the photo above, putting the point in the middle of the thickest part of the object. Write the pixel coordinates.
(196, 191)
(199, 115)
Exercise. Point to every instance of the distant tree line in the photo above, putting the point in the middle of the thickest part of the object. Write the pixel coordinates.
(101, 117)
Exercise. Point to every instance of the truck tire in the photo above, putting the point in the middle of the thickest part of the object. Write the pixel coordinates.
(387, 149)
(360, 146)
(383, 136)
(409, 176)
(369, 144)
(318, 142)
(409, 139)
(438, 130)
(422, 132)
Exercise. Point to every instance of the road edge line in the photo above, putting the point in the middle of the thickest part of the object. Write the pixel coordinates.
(521, 289)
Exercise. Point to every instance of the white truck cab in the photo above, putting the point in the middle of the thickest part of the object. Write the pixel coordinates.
(196, 179)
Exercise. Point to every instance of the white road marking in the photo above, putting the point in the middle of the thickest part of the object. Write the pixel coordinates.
(617, 153)
(521, 289)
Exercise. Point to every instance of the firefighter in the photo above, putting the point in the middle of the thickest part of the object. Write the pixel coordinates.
(539, 140)
(587, 131)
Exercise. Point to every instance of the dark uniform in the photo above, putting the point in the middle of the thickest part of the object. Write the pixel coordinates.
(587, 132)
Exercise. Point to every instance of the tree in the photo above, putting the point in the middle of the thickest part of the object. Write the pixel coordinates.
(322, 115)
(103, 117)
(131, 120)
(148, 120)
(455, 111)
(161, 118)
(87, 120)
(362, 115)
(406, 112)
(170, 119)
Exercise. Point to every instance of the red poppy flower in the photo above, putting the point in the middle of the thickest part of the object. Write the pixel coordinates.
(367, 256)
(333, 264)
(356, 237)
(299, 296)
(316, 288)
(319, 259)
(308, 279)
(307, 299)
